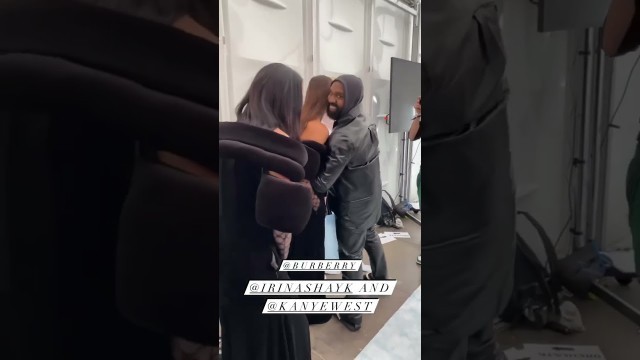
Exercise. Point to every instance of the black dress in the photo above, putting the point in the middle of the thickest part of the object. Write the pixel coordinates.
(309, 245)
(246, 250)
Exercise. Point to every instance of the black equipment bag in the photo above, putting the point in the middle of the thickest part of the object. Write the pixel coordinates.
(389, 212)
(537, 289)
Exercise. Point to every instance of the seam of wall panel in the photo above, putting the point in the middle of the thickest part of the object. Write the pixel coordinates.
(226, 80)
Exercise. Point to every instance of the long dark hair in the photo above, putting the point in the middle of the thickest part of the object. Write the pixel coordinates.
(316, 100)
(274, 100)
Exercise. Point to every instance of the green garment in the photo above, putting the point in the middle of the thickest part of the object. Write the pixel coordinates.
(633, 199)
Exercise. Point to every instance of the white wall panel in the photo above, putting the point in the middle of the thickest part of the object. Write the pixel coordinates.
(389, 38)
(260, 32)
(328, 37)
(341, 37)
(540, 102)
(391, 34)
(622, 143)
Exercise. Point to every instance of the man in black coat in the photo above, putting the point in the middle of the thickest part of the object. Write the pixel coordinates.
(469, 213)
(352, 178)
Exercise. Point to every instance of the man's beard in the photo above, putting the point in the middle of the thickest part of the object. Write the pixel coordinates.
(334, 114)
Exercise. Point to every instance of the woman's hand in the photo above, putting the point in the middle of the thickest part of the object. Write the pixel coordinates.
(283, 242)
(415, 124)
(315, 201)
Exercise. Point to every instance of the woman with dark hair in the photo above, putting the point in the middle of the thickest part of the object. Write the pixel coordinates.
(249, 250)
(309, 245)
(276, 92)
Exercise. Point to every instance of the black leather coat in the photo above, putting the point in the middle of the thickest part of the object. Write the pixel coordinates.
(352, 171)
(469, 208)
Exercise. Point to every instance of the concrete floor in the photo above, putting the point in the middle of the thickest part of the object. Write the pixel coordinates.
(617, 337)
(332, 341)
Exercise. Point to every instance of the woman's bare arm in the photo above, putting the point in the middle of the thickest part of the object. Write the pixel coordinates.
(315, 131)
(616, 25)
(415, 125)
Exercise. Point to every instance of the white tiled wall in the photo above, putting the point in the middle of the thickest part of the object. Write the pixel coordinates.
(390, 38)
(348, 37)
(257, 35)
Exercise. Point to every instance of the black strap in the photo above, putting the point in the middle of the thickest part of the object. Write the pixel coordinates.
(551, 256)
(546, 241)
(393, 203)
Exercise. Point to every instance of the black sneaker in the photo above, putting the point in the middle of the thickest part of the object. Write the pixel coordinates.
(368, 276)
(348, 324)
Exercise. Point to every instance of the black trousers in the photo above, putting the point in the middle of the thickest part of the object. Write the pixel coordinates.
(480, 345)
(351, 244)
